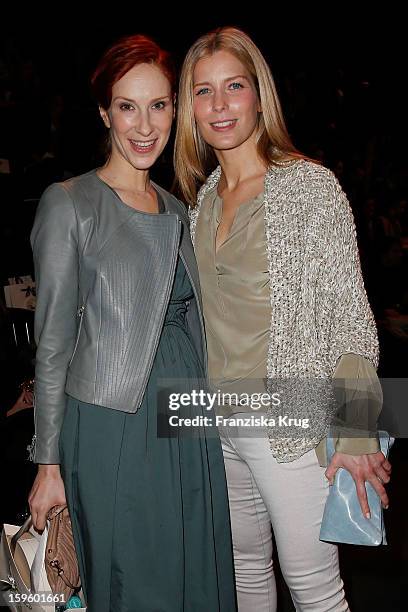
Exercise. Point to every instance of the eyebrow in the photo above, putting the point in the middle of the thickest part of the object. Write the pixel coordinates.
(237, 76)
(134, 101)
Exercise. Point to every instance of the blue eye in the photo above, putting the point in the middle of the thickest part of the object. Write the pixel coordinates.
(235, 85)
(202, 91)
(159, 105)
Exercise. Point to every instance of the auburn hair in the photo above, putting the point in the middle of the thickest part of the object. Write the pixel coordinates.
(127, 52)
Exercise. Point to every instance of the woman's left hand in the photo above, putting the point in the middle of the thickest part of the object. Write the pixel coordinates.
(374, 468)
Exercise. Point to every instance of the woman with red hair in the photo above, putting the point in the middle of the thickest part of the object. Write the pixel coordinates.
(118, 310)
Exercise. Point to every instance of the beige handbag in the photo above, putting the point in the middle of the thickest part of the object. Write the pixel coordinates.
(60, 557)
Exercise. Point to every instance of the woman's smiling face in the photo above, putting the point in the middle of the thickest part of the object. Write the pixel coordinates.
(225, 101)
(140, 116)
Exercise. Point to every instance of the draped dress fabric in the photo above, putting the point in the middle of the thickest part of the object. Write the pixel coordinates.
(150, 514)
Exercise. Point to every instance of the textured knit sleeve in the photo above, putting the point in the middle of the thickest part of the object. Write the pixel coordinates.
(353, 328)
(352, 341)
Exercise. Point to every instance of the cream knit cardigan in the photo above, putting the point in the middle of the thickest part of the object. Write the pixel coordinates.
(319, 306)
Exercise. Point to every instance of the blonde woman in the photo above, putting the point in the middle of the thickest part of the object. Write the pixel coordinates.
(283, 298)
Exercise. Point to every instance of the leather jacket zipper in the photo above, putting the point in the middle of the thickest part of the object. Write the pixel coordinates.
(80, 315)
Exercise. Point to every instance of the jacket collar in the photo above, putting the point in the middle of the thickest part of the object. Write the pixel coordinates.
(174, 206)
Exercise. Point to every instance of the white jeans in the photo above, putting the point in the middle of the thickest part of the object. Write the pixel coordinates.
(290, 498)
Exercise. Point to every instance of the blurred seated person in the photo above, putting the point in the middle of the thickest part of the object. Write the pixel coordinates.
(16, 417)
(42, 166)
(370, 233)
(391, 220)
(23, 402)
(389, 298)
(389, 283)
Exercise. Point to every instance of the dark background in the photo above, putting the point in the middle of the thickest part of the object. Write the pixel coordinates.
(341, 79)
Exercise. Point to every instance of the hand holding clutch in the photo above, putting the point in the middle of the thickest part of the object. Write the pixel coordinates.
(343, 519)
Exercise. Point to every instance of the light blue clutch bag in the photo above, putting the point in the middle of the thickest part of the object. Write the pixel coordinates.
(343, 520)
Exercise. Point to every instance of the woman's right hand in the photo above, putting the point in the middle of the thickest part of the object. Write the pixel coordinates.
(47, 491)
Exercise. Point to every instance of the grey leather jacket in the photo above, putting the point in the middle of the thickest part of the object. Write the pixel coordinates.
(104, 273)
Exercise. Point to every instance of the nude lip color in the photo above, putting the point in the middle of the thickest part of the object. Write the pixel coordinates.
(224, 128)
(140, 149)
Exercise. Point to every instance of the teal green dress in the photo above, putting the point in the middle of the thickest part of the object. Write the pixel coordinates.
(150, 514)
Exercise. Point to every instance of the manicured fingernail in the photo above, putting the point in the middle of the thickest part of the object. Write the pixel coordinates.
(387, 506)
(368, 515)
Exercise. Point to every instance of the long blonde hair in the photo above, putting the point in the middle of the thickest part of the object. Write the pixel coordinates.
(193, 157)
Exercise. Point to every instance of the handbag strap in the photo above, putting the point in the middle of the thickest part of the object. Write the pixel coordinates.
(386, 441)
(54, 511)
(329, 448)
(23, 529)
